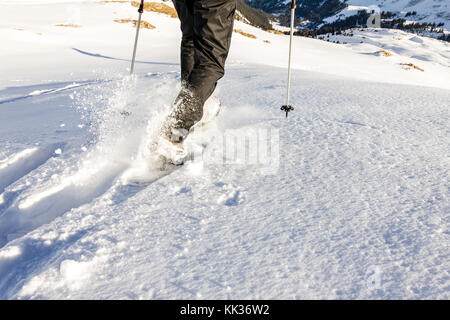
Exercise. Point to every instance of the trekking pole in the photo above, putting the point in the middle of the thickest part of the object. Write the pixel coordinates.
(287, 107)
(125, 112)
(140, 10)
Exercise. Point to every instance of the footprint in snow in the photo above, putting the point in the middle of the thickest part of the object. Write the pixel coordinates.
(232, 197)
(180, 190)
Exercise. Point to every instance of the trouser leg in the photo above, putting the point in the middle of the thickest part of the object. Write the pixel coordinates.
(212, 28)
(185, 10)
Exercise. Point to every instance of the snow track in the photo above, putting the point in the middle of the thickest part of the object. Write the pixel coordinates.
(38, 92)
(43, 207)
(25, 161)
(82, 175)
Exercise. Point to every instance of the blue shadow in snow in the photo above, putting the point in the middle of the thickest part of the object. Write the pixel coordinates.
(96, 55)
(60, 87)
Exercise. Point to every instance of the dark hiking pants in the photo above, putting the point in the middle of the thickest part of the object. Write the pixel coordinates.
(206, 26)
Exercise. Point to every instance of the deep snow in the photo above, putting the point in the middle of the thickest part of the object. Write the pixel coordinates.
(348, 197)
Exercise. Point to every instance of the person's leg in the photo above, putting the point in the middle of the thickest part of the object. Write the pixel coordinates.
(213, 28)
(185, 11)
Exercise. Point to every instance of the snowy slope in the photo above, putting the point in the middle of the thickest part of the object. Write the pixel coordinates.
(432, 11)
(352, 200)
(34, 38)
(396, 44)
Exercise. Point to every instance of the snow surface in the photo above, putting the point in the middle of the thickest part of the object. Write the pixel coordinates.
(353, 202)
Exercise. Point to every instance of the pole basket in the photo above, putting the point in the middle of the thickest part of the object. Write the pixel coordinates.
(287, 109)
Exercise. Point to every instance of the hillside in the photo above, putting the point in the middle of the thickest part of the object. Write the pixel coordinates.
(431, 11)
(255, 17)
(328, 11)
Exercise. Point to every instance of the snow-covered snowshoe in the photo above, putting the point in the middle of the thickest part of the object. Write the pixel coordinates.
(169, 152)
(211, 110)
(166, 156)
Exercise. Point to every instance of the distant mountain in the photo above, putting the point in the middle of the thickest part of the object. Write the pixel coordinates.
(271, 6)
(319, 12)
(253, 15)
(419, 11)
(313, 10)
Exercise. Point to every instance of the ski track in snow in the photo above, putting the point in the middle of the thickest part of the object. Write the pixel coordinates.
(22, 163)
(362, 181)
(38, 92)
(24, 207)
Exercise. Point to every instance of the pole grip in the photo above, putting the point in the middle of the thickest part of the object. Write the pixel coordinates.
(141, 7)
(293, 4)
